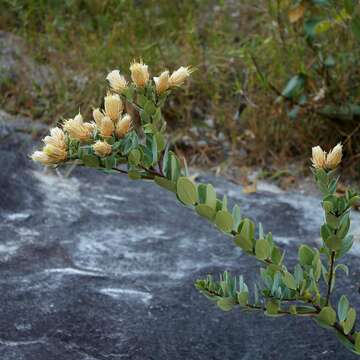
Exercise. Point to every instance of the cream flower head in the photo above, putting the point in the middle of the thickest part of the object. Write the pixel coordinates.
(123, 126)
(162, 82)
(334, 157)
(318, 157)
(102, 148)
(113, 106)
(54, 151)
(107, 127)
(178, 77)
(77, 129)
(41, 157)
(139, 73)
(117, 81)
(98, 115)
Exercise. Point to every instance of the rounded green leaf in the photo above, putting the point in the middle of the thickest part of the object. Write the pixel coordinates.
(243, 298)
(224, 221)
(343, 308)
(186, 191)
(327, 315)
(350, 321)
(262, 249)
(306, 255)
(205, 211)
(134, 157)
(289, 280)
(226, 304)
(165, 183)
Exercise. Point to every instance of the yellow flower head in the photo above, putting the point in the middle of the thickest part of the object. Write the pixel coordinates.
(139, 73)
(107, 127)
(333, 158)
(162, 82)
(117, 82)
(77, 129)
(102, 148)
(123, 126)
(178, 77)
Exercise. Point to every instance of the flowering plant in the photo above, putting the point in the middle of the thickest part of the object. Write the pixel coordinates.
(114, 143)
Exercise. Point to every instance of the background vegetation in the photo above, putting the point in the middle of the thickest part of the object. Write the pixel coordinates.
(273, 78)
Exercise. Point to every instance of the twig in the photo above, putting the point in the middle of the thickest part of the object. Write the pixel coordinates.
(332, 261)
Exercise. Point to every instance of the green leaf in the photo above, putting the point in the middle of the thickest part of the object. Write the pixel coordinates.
(333, 243)
(205, 211)
(272, 307)
(224, 221)
(350, 321)
(175, 167)
(306, 255)
(134, 157)
(160, 141)
(243, 298)
(327, 315)
(295, 84)
(262, 249)
(165, 183)
(289, 280)
(202, 193)
(134, 174)
(154, 151)
(110, 162)
(357, 342)
(91, 160)
(186, 191)
(245, 238)
(226, 304)
(342, 267)
(343, 308)
(149, 108)
(236, 214)
(210, 196)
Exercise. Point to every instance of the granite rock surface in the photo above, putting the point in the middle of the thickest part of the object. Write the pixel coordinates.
(98, 267)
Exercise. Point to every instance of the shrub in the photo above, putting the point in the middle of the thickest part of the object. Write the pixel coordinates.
(113, 142)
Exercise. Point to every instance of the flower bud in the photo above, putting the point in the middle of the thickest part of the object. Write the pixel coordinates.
(102, 148)
(113, 106)
(333, 158)
(107, 127)
(117, 82)
(98, 116)
(178, 77)
(139, 73)
(123, 126)
(318, 157)
(77, 129)
(162, 82)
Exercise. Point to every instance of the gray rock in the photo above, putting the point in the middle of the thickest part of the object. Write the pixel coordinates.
(16, 64)
(98, 267)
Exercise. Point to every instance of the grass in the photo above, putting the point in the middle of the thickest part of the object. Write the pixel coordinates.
(82, 40)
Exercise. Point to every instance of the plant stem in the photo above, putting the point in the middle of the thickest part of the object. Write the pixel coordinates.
(332, 262)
